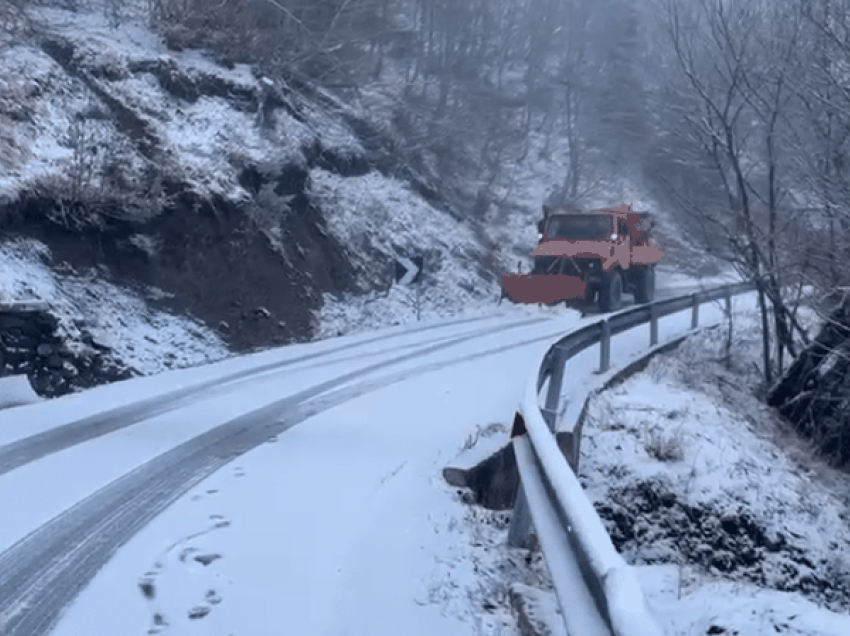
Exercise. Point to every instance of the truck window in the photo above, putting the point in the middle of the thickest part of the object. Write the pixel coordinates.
(580, 227)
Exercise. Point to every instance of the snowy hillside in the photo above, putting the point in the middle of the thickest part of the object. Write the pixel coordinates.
(688, 468)
(207, 190)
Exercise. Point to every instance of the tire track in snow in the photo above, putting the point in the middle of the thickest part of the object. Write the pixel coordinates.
(29, 449)
(42, 573)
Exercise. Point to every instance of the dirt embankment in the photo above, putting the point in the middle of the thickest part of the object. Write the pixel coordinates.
(650, 519)
(210, 259)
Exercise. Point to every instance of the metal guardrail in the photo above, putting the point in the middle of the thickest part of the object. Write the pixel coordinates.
(574, 540)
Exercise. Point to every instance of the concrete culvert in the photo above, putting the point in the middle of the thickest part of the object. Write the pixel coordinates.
(487, 468)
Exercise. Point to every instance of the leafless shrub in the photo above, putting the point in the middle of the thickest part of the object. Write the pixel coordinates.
(100, 178)
(665, 447)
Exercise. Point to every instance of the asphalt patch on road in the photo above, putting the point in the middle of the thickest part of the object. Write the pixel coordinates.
(649, 524)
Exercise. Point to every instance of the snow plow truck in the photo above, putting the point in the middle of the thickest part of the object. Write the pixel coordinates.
(589, 257)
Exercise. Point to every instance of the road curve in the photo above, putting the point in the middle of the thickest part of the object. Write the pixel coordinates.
(34, 447)
(42, 573)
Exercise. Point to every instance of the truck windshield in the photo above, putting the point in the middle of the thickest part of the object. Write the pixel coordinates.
(580, 227)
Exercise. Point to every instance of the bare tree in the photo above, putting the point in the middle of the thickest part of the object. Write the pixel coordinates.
(736, 108)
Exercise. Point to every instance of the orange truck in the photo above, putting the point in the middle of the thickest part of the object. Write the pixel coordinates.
(594, 256)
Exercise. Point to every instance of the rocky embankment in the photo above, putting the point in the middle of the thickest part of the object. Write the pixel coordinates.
(31, 345)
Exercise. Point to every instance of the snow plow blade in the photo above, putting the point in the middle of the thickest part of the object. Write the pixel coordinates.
(542, 288)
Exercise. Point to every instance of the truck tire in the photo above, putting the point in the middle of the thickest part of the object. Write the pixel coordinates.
(644, 285)
(611, 292)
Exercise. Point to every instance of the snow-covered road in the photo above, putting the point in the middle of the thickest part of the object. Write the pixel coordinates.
(342, 527)
(91, 480)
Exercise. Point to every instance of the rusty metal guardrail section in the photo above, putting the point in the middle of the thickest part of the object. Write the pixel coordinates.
(597, 591)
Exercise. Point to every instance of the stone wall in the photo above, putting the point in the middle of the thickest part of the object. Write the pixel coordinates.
(30, 345)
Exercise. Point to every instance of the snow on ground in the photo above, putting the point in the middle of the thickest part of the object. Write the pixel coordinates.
(687, 467)
(736, 609)
(372, 214)
(148, 340)
(370, 312)
(202, 140)
(342, 525)
(69, 408)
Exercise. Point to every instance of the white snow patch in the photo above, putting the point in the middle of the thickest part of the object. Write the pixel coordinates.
(689, 424)
(205, 142)
(378, 219)
(148, 340)
(749, 611)
(344, 526)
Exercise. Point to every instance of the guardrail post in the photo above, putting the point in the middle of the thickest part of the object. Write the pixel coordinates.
(653, 325)
(695, 311)
(605, 347)
(556, 383)
(520, 528)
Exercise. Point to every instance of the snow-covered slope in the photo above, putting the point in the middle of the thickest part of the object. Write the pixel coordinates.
(109, 115)
(186, 104)
(147, 340)
(688, 468)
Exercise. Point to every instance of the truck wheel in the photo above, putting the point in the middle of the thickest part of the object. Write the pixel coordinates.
(611, 292)
(644, 282)
(589, 295)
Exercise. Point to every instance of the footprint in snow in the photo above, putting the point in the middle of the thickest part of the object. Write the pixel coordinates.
(147, 586)
(206, 559)
(187, 554)
(159, 624)
(199, 611)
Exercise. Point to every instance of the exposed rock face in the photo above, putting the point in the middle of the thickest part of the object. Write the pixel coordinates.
(814, 394)
(30, 345)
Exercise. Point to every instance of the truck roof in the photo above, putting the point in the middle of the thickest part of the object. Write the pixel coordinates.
(598, 211)
(604, 210)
